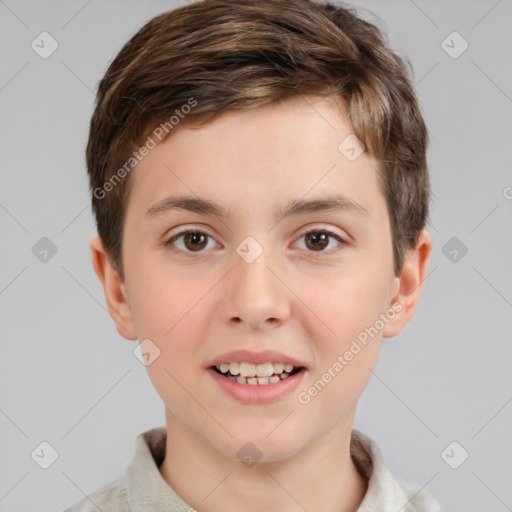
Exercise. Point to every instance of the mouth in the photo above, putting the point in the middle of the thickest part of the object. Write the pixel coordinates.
(256, 374)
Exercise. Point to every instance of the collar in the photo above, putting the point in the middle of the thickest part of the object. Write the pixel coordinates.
(149, 492)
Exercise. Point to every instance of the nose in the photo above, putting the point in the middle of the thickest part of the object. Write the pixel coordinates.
(254, 297)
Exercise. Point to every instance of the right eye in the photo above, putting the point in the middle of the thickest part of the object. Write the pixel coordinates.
(192, 241)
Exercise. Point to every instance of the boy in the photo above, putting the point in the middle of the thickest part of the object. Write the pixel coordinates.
(259, 180)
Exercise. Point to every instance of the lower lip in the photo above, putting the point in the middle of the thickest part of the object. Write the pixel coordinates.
(259, 393)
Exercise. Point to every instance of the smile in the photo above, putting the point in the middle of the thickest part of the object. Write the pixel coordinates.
(254, 389)
(256, 374)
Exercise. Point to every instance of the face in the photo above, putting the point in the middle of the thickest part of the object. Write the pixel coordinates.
(272, 269)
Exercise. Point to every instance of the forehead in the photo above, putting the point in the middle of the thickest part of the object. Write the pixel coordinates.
(266, 156)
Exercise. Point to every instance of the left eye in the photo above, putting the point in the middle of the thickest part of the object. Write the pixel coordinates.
(318, 240)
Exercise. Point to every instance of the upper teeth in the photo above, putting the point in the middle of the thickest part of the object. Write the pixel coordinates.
(255, 370)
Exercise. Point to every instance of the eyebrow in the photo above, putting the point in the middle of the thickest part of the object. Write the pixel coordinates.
(294, 207)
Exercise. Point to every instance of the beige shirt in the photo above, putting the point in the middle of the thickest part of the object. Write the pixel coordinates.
(142, 488)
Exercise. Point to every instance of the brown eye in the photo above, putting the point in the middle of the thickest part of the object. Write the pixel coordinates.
(317, 240)
(188, 242)
(194, 241)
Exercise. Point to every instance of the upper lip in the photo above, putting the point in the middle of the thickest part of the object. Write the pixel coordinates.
(266, 356)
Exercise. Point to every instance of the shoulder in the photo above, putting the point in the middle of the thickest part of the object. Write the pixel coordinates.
(418, 498)
(141, 482)
(110, 498)
(386, 491)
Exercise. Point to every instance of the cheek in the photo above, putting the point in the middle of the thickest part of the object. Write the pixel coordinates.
(347, 349)
(345, 339)
(168, 311)
(162, 300)
(172, 323)
(355, 306)
(344, 305)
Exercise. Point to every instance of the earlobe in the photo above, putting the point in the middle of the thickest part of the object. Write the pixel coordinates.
(114, 289)
(411, 280)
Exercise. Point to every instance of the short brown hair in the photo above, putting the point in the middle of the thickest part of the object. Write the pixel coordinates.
(229, 55)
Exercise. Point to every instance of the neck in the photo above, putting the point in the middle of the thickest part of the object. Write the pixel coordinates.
(322, 477)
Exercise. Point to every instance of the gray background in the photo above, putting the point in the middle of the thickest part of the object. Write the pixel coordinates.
(68, 378)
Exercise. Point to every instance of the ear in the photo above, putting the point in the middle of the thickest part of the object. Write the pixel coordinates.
(115, 291)
(409, 285)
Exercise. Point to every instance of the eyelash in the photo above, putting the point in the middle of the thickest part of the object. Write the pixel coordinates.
(169, 243)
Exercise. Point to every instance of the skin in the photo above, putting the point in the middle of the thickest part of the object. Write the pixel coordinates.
(297, 297)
